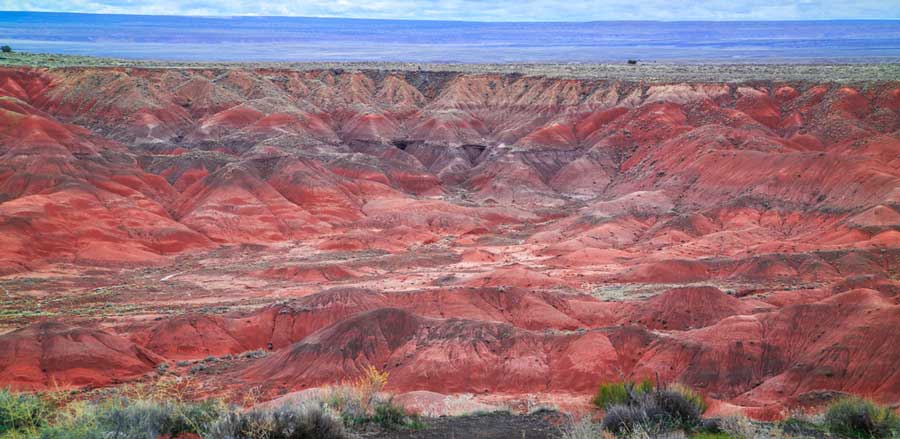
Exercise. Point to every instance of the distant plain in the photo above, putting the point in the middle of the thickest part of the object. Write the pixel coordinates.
(267, 39)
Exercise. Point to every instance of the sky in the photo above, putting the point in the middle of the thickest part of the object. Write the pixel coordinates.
(488, 10)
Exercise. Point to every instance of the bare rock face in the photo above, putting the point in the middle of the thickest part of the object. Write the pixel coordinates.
(476, 234)
(469, 356)
(55, 354)
(688, 308)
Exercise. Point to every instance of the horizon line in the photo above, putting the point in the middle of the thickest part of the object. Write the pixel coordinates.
(230, 16)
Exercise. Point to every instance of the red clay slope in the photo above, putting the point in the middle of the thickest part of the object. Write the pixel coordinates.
(468, 233)
(54, 354)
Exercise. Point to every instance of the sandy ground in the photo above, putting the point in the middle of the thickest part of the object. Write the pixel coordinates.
(645, 72)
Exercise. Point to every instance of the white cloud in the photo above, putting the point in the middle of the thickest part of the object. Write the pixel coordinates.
(488, 10)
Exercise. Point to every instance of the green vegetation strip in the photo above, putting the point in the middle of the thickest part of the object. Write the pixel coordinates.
(630, 410)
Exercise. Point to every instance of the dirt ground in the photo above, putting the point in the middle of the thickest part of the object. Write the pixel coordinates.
(646, 72)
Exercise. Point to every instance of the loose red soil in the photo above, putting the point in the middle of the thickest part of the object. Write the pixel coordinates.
(515, 238)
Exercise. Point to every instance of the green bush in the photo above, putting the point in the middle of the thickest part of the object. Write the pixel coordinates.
(695, 398)
(655, 411)
(152, 419)
(623, 418)
(348, 403)
(391, 416)
(361, 405)
(303, 421)
(24, 416)
(6, 49)
(22, 413)
(78, 420)
(796, 425)
(674, 409)
(617, 393)
(132, 419)
(859, 418)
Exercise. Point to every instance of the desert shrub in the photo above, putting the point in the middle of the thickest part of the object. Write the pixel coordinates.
(370, 385)
(254, 355)
(166, 388)
(77, 420)
(196, 417)
(619, 393)
(583, 428)
(356, 411)
(641, 433)
(655, 411)
(391, 416)
(362, 401)
(151, 419)
(300, 421)
(801, 425)
(121, 418)
(691, 395)
(735, 427)
(623, 418)
(6, 49)
(347, 403)
(22, 413)
(859, 418)
(675, 409)
(731, 427)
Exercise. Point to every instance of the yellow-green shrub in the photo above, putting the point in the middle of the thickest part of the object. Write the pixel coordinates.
(617, 393)
(859, 418)
(22, 414)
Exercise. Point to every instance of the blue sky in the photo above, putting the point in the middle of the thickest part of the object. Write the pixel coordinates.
(488, 10)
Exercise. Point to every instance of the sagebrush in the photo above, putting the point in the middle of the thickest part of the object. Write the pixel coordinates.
(859, 418)
(630, 407)
(298, 421)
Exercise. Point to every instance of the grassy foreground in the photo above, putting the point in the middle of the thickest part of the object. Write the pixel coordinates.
(162, 412)
(629, 411)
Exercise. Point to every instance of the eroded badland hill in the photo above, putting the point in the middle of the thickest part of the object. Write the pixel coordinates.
(504, 235)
